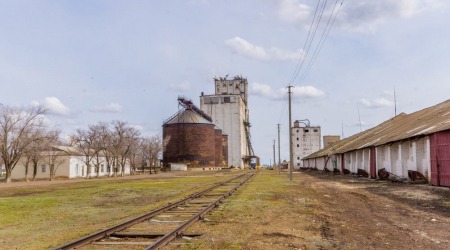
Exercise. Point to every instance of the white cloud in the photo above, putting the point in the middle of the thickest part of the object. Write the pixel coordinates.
(245, 48)
(366, 15)
(307, 92)
(182, 87)
(53, 106)
(363, 16)
(109, 108)
(285, 55)
(259, 89)
(242, 46)
(298, 92)
(376, 103)
(294, 10)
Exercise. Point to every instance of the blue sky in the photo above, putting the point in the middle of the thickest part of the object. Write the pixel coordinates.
(91, 61)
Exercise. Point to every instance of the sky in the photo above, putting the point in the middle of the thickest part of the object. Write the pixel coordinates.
(90, 61)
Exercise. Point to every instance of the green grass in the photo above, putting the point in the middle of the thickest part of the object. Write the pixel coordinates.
(47, 216)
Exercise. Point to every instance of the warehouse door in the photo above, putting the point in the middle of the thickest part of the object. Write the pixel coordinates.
(373, 163)
(440, 158)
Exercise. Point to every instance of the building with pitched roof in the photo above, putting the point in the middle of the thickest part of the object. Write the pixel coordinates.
(407, 146)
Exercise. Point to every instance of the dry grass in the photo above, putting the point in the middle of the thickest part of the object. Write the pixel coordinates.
(267, 213)
(46, 216)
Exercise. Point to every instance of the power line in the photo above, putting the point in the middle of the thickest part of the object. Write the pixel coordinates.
(302, 59)
(324, 36)
(310, 42)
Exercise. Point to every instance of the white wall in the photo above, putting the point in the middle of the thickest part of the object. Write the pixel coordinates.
(305, 140)
(229, 117)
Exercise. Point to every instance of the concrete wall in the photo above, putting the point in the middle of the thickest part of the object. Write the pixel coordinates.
(229, 116)
(305, 140)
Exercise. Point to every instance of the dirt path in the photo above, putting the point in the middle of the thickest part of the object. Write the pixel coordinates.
(363, 213)
(319, 211)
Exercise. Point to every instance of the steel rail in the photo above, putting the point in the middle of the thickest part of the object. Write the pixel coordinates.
(111, 230)
(177, 232)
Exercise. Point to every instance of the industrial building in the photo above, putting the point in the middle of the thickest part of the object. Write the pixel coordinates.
(228, 108)
(190, 137)
(330, 139)
(305, 140)
(408, 147)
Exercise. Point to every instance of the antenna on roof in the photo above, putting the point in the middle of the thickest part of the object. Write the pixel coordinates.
(359, 116)
(395, 103)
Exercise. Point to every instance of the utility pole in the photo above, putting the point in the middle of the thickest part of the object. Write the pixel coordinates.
(291, 160)
(274, 159)
(279, 160)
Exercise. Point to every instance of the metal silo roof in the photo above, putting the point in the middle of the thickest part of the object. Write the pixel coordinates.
(187, 116)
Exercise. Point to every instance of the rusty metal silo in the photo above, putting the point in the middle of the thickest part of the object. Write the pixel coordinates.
(189, 138)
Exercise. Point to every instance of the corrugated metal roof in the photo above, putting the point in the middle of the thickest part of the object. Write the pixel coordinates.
(400, 127)
(187, 116)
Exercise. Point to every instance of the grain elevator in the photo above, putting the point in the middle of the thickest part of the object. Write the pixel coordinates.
(228, 108)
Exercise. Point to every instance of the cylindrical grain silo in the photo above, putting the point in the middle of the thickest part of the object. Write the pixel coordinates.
(189, 138)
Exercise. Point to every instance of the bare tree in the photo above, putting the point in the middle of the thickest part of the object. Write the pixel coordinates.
(106, 142)
(97, 145)
(52, 157)
(124, 137)
(152, 147)
(18, 129)
(136, 156)
(84, 140)
(32, 155)
(26, 160)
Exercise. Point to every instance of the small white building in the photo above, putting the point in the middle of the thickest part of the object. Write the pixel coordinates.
(228, 109)
(305, 141)
(67, 163)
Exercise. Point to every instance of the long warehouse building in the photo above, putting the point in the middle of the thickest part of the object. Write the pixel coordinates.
(406, 146)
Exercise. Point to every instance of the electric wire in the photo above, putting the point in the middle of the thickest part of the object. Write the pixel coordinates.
(326, 32)
(301, 60)
(311, 40)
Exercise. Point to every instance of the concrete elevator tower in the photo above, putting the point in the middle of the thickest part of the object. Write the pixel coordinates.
(228, 108)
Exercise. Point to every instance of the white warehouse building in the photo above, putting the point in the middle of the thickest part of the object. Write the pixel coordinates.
(228, 108)
(408, 146)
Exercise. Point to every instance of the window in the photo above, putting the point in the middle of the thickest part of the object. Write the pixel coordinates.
(298, 164)
(297, 138)
(298, 158)
(298, 145)
(316, 130)
(226, 99)
(306, 130)
(101, 168)
(297, 130)
(44, 168)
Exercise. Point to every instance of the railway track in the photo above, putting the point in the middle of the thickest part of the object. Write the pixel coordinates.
(157, 228)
